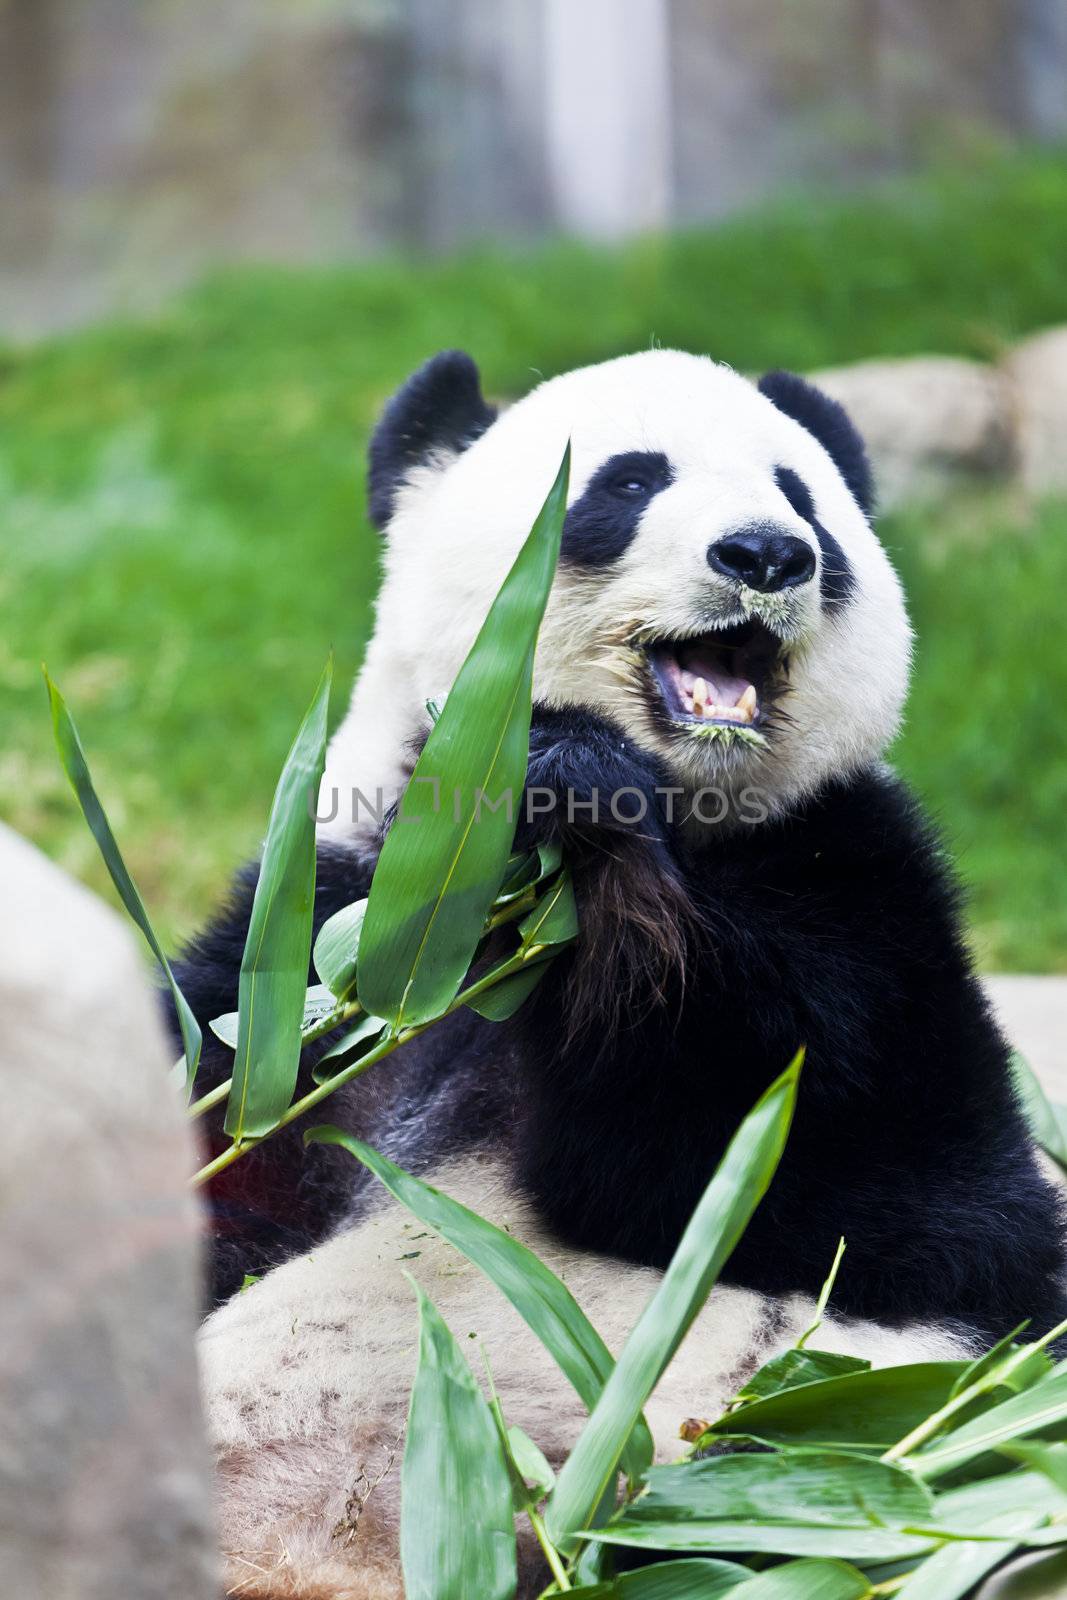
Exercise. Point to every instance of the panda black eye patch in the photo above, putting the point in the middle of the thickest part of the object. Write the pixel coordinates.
(603, 521)
(837, 579)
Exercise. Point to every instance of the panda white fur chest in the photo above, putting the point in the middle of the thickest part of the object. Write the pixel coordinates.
(725, 644)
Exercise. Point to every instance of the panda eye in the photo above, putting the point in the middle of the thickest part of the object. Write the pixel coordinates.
(633, 488)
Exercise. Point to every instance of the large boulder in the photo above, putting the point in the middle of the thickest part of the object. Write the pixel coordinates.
(929, 422)
(1037, 371)
(1033, 1014)
(104, 1475)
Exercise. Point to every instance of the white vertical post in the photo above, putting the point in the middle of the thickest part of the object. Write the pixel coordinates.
(608, 115)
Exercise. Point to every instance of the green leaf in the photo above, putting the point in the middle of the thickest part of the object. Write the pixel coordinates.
(355, 1041)
(806, 1580)
(824, 1295)
(526, 870)
(698, 1579)
(671, 1580)
(1012, 1504)
(443, 860)
(554, 919)
(795, 1367)
(985, 1369)
(72, 757)
(982, 1365)
(1048, 1122)
(225, 1028)
(867, 1543)
(731, 1197)
(318, 1002)
(863, 1410)
(505, 998)
(954, 1570)
(528, 1458)
(336, 947)
(550, 859)
(759, 1502)
(544, 1303)
(1038, 1407)
(1051, 1459)
(1008, 1503)
(457, 1532)
(277, 953)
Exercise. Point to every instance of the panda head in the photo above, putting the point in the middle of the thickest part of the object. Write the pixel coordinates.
(721, 595)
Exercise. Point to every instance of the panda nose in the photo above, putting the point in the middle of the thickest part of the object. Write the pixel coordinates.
(763, 556)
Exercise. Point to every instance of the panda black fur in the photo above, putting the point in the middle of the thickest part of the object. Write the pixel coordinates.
(712, 525)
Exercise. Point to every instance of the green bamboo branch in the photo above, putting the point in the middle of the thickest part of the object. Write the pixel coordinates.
(326, 1024)
(993, 1378)
(524, 957)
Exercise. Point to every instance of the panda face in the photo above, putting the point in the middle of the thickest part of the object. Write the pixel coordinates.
(721, 595)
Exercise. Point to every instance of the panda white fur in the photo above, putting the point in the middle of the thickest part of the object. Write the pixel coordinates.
(724, 622)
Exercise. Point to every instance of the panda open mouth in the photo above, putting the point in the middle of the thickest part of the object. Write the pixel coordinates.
(720, 679)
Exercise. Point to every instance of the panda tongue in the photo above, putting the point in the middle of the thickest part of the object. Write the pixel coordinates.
(724, 689)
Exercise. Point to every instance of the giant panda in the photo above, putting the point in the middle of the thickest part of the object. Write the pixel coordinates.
(726, 643)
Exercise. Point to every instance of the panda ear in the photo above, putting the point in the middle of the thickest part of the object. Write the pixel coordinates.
(439, 408)
(831, 425)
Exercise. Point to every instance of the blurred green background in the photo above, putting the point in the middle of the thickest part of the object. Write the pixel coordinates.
(184, 533)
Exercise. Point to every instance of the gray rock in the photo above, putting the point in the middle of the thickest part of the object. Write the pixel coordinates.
(1033, 1014)
(104, 1476)
(1037, 372)
(928, 421)
(1037, 1575)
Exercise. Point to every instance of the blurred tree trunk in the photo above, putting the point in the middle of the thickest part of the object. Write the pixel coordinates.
(28, 120)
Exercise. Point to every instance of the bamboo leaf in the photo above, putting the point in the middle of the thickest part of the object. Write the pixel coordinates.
(457, 1532)
(806, 1580)
(277, 953)
(357, 1040)
(999, 1367)
(868, 1543)
(318, 1001)
(672, 1580)
(336, 947)
(531, 1462)
(505, 998)
(443, 861)
(860, 1410)
(698, 1579)
(554, 919)
(728, 1202)
(824, 1296)
(954, 1570)
(544, 1303)
(824, 1488)
(796, 1367)
(527, 869)
(1012, 1504)
(1048, 1122)
(1040, 1406)
(1050, 1459)
(72, 757)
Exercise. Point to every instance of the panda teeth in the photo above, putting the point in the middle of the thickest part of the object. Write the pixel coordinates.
(705, 708)
(748, 702)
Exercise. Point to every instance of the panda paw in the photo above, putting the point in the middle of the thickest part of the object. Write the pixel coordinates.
(592, 791)
(586, 782)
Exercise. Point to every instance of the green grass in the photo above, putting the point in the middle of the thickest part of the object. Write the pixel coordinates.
(184, 534)
(986, 740)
